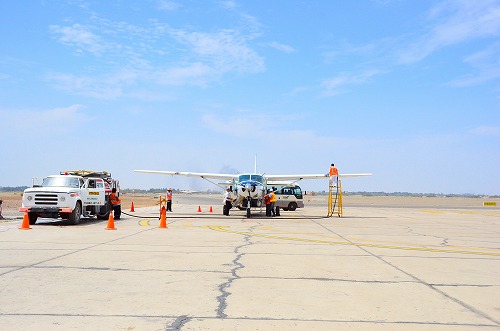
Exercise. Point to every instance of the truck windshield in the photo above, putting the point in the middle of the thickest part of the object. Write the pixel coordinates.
(60, 182)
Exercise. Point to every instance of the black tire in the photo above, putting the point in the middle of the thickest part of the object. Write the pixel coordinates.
(103, 212)
(292, 206)
(32, 217)
(76, 214)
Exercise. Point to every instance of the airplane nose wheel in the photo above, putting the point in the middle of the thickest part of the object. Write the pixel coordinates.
(249, 203)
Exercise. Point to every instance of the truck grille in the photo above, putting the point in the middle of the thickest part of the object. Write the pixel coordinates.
(46, 199)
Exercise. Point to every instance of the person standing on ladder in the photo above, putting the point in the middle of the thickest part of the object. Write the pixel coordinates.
(334, 175)
(169, 199)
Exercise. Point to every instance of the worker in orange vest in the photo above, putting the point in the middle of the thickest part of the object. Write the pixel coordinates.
(267, 201)
(272, 200)
(169, 199)
(334, 175)
(115, 203)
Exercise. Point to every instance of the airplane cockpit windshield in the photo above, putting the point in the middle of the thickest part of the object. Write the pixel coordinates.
(242, 178)
(257, 178)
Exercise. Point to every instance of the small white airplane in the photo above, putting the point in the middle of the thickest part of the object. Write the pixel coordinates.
(249, 188)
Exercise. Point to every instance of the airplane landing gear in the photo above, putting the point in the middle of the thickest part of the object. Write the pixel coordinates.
(249, 204)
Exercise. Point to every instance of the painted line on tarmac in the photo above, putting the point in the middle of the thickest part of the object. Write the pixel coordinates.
(345, 243)
(461, 212)
(155, 222)
(146, 223)
(378, 242)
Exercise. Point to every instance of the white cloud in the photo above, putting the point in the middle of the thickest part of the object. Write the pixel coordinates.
(281, 47)
(228, 4)
(46, 122)
(486, 64)
(336, 85)
(85, 85)
(225, 50)
(453, 22)
(168, 5)
(80, 37)
(191, 74)
(156, 52)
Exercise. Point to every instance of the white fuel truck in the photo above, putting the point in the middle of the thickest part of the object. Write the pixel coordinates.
(70, 195)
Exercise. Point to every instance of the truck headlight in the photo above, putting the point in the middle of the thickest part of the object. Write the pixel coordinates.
(62, 198)
(29, 198)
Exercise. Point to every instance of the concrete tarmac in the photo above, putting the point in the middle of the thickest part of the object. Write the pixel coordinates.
(376, 268)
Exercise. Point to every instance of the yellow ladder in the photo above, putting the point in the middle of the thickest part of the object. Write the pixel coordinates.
(335, 200)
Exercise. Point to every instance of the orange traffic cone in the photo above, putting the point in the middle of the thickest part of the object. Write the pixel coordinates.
(111, 222)
(163, 218)
(199, 209)
(26, 222)
(132, 207)
(211, 210)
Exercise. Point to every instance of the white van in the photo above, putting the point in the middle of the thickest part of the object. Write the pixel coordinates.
(289, 197)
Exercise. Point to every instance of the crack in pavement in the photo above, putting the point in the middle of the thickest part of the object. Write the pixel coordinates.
(223, 288)
(178, 323)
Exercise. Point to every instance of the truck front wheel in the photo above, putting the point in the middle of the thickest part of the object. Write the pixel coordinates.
(292, 206)
(74, 217)
(32, 217)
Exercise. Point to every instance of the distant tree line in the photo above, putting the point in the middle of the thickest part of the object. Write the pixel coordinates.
(409, 194)
(12, 188)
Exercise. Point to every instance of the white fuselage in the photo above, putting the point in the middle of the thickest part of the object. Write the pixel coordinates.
(250, 186)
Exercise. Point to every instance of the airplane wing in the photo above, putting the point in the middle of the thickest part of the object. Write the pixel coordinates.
(190, 174)
(309, 176)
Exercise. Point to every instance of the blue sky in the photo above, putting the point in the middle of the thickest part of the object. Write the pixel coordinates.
(407, 90)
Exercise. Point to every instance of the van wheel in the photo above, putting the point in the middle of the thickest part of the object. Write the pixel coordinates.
(74, 217)
(292, 206)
